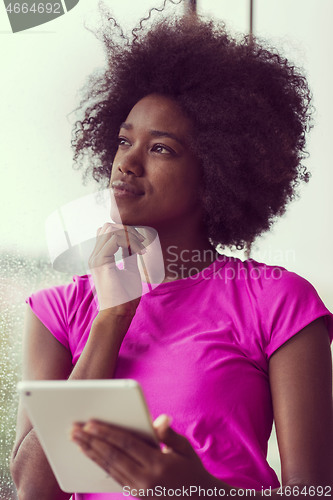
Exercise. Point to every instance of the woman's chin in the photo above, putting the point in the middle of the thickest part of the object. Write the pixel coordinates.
(126, 219)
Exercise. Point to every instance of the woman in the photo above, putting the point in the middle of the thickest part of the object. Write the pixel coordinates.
(205, 137)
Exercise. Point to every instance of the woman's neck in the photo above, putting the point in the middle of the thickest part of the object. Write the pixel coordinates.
(185, 253)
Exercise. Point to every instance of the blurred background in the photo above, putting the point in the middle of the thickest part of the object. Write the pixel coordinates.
(42, 70)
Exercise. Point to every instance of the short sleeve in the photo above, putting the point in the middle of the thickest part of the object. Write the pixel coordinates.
(54, 307)
(288, 303)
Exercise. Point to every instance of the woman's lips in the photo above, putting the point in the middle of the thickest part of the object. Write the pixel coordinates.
(124, 190)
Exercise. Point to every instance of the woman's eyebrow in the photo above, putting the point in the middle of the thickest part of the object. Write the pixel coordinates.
(155, 133)
(126, 126)
(160, 133)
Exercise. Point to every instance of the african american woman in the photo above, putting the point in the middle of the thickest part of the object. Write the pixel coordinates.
(201, 137)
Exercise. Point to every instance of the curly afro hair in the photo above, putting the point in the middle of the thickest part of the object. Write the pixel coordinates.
(249, 106)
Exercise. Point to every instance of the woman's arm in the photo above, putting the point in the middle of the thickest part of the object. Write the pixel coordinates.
(300, 374)
(44, 358)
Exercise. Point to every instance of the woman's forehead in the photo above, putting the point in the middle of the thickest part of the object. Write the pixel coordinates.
(155, 111)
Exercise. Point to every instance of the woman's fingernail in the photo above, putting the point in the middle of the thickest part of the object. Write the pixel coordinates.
(163, 419)
(77, 434)
(91, 429)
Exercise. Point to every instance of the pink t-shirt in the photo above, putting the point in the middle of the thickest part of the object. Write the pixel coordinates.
(200, 348)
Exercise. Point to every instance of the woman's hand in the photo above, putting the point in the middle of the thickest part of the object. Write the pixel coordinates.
(137, 464)
(115, 287)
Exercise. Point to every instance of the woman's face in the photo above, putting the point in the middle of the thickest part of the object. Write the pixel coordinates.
(155, 177)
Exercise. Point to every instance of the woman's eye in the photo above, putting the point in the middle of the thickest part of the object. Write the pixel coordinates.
(159, 148)
(122, 141)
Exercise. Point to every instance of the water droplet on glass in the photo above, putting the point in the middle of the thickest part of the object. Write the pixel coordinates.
(20, 275)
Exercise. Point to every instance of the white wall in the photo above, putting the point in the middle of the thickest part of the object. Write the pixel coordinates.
(306, 230)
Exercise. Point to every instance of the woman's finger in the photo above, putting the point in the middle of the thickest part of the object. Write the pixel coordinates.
(102, 236)
(102, 258)
(129, 242)
(131, 444)
(120, 465)
(108, 242)
(110, 246)
(112, 470)
(106, 252)
(177, 442)
(130, 229)
(124, 239)
(127, 237)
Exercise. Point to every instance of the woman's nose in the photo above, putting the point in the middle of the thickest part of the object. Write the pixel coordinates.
(130, 164)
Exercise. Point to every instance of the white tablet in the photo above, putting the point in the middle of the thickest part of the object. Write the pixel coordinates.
(53, 405)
